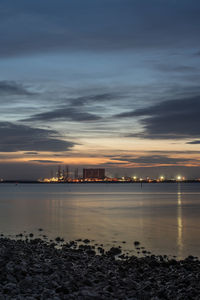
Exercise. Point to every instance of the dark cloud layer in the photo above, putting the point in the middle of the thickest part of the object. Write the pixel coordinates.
(173, 119)
(155, 159)
(44, 161)
(14, 137)
(76, 109)
(64, 114)
(31, 153)
(12, 88)
(196, 142)
(40, 26)
(92, 99)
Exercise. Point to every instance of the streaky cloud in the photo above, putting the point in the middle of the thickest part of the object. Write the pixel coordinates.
(13, 88)
(171, 119)
(31, 153)
(43, 161)
(196, 142)
(155, 159)
(17, 137)
(65, 114)
(91, 99)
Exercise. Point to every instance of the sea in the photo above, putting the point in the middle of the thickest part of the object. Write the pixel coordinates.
(163, 217)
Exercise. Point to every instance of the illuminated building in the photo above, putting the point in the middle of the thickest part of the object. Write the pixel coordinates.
(93, 173)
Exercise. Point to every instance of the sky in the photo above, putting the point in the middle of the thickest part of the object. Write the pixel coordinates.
(113, 84)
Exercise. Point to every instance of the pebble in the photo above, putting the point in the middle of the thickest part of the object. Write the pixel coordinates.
(35, 269)
(136, 243)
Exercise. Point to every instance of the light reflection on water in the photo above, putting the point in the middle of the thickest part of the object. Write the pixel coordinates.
(179, 221)
(163, 217)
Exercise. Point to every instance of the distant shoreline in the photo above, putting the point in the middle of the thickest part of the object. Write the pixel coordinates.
(98, 182)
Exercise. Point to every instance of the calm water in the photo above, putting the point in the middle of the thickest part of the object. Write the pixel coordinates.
(165, 218)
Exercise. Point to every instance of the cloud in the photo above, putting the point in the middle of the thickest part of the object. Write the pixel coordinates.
(42, 161)
(114, 163)
(196, 142)
(31, 153)
(52, 26)
(93, 99)
(155, 159)
(64, 114)
(15, 137)
(177, 68)
(171, 119)
(12, 88)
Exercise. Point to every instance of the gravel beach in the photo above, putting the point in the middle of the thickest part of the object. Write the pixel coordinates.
(35, 269)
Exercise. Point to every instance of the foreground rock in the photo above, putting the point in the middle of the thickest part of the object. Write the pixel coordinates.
(37, 270)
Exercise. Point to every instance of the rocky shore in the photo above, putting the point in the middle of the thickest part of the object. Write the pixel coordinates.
(36, 269)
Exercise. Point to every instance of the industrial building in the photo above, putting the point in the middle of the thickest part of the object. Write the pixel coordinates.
(93, 173)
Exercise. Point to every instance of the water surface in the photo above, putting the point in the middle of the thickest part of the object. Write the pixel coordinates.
(163, 217)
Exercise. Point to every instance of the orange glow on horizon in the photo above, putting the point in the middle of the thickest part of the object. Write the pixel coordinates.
(104, 156)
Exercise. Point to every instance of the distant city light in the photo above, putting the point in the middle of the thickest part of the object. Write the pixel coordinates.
(99, 175)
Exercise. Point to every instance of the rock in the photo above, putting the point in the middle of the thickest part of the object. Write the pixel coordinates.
(90, 252)
(10, 267)
(58, 239)
(26, 283)
(136, 243)
(101, 250)
(114, 251)
(9, 287)
(89, 294)
(86, 241)
(35, 269)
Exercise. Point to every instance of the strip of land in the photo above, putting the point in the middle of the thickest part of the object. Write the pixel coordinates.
(36, 269)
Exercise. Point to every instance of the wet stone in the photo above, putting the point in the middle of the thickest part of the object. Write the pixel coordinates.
(86, 241)
(114, 251)
(59, 239)
(35, 269)
(136, 243)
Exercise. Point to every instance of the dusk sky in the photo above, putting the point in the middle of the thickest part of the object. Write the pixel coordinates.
(100, 83)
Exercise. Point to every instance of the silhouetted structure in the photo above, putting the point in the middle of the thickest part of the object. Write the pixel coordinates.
(66, 177)
(94, 173)
(59, 173)
(76, 173)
